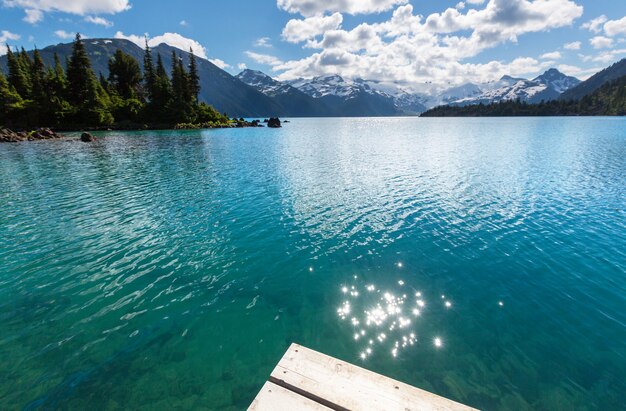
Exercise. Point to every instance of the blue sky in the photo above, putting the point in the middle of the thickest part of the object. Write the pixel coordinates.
(403, 41)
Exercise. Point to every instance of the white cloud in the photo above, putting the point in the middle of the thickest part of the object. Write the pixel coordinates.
(5, 36)
(220, 63)
(615, 27)
(299, 30)
(183, 23)
(172, 39)
(33, 16)
(595, 25)
(264, 58)
(242, 66)
(263, 42)
(601, 42)
(555, 55)
(99, 21)
(410, 49)
(572, 46)
(62, 34)
(604, 57)
(475, 2)
(34, 9)
(460, 5)
(309, 8)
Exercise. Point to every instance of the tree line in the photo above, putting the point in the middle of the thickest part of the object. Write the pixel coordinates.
(69, 95)
(608, 100)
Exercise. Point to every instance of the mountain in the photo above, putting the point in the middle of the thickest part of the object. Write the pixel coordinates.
(218, 88)
(596, 81)
(548, 86)
(607, 100)
(293, 102)
(557, 81)
(348, 98)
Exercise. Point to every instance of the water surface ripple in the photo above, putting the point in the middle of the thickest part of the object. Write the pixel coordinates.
(481, 259)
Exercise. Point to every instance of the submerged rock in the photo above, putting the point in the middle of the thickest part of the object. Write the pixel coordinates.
(274, 122)
(87, 138)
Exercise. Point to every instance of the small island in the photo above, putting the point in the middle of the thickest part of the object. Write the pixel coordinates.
(35, 99)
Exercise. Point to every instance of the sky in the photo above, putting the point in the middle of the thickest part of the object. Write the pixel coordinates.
(397, 41)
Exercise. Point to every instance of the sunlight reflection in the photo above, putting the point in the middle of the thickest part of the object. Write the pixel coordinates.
(384, 320)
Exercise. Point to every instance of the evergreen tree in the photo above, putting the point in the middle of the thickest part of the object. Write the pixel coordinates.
(56, 84)
(40, 108)
(124, 75)
(149, 73)
(80, 76)
(84, 92)
(18, 78)
(194, 78)
(11, 104)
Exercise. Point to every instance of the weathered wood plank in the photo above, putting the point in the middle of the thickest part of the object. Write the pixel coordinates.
(346, 386)
(275, 398)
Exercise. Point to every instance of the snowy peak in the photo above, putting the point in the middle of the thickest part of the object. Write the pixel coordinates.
(264, 83)
(333, 85)
(557, 81)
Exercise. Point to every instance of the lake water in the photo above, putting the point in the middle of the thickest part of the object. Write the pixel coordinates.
(481, 259)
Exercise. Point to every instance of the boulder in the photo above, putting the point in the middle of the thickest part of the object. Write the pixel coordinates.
(274, 122)
(87, 138)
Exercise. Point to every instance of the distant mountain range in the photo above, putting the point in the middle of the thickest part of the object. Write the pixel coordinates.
(603, 94)
(359, 97)
(255, 94)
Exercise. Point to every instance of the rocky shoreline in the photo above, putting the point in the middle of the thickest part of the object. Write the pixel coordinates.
(10, 136)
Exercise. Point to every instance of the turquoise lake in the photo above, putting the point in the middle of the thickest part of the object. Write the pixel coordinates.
(481, 259)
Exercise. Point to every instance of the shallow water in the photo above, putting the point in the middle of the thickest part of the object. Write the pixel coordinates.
(481, 259)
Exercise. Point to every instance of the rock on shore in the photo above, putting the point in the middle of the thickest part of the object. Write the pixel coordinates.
(9, 136)
(274, 122)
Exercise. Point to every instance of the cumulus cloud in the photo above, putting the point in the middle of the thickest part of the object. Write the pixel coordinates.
(409, 49)
(595, 25)
(575, 45)
(99, 21)
(299, 30)
(615, 27)
(555, 55)
(5, 36)
(172, 39)
(601, 42)
(264, 58)
(35, 9)
(33, 16)
(242, 66)
(263, 42)
(309, 8)
(220, 63)
(62, 34)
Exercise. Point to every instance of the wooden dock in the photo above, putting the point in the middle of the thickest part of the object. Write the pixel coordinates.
(307, 380)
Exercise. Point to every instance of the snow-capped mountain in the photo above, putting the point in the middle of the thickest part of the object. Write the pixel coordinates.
(334, 85)
(549, 86)
(345, 97)
(264, 83)
(558, 81)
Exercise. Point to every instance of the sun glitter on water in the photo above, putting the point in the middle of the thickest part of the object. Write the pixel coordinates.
(385, 320)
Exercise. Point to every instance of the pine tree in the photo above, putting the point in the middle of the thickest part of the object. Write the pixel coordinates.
(84, 92)
(39, 113)
(124, 75)
(17, 78)
(80, 76)
(11, 104)
(149, 74)
(194, 78)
